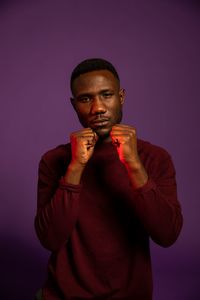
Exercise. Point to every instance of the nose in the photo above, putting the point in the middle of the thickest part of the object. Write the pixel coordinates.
(97, 106)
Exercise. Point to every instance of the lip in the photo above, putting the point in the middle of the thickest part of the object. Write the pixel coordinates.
(100, 122)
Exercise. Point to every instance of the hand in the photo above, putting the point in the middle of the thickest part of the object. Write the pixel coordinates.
(125, 139)
(82, 146)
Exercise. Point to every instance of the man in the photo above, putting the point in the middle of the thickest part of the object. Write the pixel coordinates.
(102, 196)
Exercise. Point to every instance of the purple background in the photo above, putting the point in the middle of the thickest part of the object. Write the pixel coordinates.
(155, 46)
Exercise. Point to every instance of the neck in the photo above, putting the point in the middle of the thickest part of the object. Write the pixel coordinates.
(104, 139)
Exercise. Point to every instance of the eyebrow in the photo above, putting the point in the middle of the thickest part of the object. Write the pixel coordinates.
(92, 94)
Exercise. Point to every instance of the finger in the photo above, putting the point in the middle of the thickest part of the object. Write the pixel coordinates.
(120, 139)
(115, 142)
(123, 126)
(88, 140)
(83, 131)
(92, 138)
(121, 134)
(87, 135)
(131, 133)
(84, 135)
(122, 130)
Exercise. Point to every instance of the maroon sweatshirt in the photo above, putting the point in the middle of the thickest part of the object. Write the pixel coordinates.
(98, 232)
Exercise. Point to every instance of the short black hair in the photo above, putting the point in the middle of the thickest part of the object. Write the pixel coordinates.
(92, 64)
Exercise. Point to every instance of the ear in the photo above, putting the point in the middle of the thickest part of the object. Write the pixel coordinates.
(122, 96)
(72, 102)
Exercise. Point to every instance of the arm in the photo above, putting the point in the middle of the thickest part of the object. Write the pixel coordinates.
(156, 203)
(57, 208)
(154, 195)
(58, 199)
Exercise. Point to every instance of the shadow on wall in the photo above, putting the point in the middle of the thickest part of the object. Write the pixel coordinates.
(23, 270)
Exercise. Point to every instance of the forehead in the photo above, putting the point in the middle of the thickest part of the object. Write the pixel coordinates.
(94, 81)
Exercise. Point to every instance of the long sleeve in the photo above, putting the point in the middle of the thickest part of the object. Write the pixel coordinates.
(57, 207)
(103, 225)
(156, 203)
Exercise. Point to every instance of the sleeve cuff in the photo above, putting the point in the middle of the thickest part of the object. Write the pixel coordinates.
(149, 185)
(68, 186)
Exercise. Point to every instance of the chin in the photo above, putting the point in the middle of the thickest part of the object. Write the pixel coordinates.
(103, 132)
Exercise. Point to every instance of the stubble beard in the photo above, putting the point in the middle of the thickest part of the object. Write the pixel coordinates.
(106, 136)
(103, 135)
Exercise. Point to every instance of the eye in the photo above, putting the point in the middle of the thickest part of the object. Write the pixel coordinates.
(84, 99)
(107, 95)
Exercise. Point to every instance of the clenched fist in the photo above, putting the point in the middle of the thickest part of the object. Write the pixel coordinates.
(82, 145)
(125, 139)
(82, 148)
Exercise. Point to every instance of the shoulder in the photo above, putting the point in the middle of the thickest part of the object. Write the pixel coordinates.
(146, 148)
(156, 159)
(61, 151)
(55, 158)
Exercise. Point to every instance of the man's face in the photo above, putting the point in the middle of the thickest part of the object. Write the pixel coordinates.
(98, 101)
